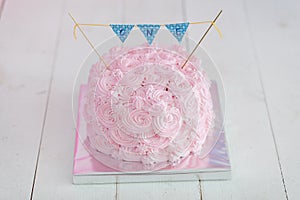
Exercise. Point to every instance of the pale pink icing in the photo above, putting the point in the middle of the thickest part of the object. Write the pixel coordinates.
(144, 109)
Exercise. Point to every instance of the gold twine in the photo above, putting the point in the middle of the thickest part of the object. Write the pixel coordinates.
(105, 25)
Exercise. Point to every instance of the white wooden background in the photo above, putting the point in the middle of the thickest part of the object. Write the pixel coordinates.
(258, 58)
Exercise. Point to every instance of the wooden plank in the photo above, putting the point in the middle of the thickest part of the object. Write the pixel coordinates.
(27, 43)
(156, 12)
(159, 190)
(256, 173)
(277, 51)
(54, 175)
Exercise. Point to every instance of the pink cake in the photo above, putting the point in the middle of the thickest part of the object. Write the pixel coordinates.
(143, 111)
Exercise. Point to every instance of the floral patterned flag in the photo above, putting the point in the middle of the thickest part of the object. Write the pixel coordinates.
(149, 31)
(122, 30)
(178, 30)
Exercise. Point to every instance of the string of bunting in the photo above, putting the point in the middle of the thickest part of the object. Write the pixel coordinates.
(149, 30)
(178, 30)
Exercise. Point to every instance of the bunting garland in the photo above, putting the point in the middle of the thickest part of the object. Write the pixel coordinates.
(149, 31)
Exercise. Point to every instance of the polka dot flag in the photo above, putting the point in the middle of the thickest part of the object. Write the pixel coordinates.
(178, 30)
(122, 30)
(149, 31)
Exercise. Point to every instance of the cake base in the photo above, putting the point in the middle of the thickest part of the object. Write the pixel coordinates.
(88, 170)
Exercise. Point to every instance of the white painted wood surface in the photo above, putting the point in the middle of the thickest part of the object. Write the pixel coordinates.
(256, 173)
(27, 47)
(258, 59)
(277, 51)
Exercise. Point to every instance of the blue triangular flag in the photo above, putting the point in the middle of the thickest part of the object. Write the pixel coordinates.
(149, 31)
(178, 30)
(122, 30)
